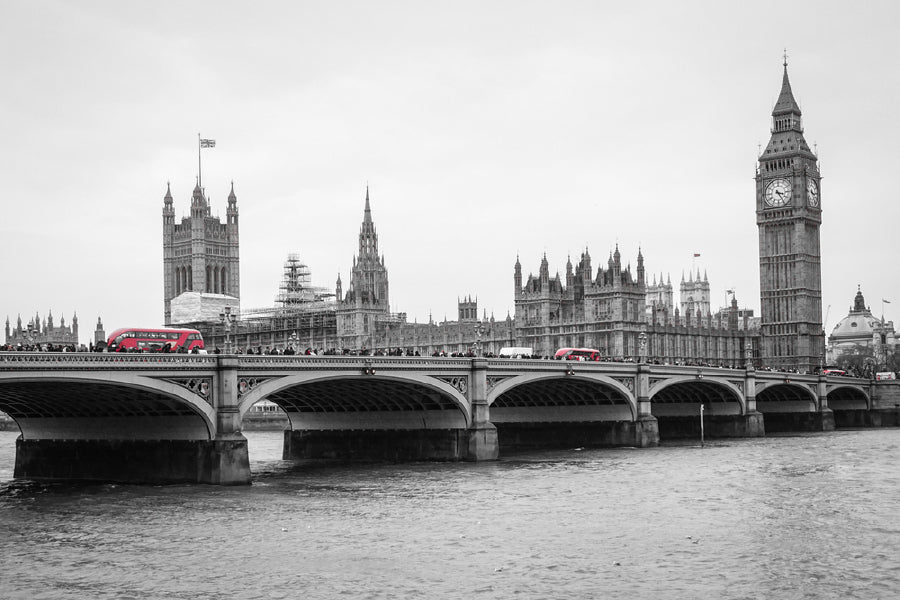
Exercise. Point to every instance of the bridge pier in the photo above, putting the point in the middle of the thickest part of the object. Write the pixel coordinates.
(715, 426)
(220, 462)
(482, 434)
(822, 420)
(518, 437)
(375, 444)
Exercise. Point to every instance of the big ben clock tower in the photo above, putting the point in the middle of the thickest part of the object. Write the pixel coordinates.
(789, 214)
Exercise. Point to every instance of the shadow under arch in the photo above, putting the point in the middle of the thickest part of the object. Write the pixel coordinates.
(786, 398)
(91, 407)
(342, 401)
(560, 398)
(541, 411)
(848, 397)
(681, 396)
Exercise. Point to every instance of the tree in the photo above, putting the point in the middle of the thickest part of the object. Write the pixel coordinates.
(857, 360)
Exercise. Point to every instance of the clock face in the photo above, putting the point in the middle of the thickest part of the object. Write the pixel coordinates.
(778, 193)
(812, 193)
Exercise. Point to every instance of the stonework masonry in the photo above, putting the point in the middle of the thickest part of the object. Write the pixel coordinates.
(610, 308)
(200, 254)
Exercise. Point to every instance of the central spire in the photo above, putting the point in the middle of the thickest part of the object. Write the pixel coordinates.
(786, 103)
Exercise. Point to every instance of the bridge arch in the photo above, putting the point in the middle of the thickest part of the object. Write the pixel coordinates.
(341, 400)
(784, 397)
(847, 397)
(679, 396)
(95, 406)
(550, 396)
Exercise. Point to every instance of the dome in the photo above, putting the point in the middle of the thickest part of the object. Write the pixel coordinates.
(856, 325)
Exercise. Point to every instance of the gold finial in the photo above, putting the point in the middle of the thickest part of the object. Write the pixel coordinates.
(785, 58)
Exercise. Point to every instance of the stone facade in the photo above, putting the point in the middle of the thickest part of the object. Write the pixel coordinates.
(38, 332)
(200, 254)
(861, 331)
(608, 312)
(789, 214)
(611, 308)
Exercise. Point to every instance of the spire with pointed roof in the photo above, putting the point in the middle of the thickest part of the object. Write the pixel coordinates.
(786, 104)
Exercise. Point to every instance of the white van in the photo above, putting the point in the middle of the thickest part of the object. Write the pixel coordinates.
(515, 352)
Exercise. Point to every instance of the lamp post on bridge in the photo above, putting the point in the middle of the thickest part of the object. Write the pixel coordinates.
(479, 330)
(226, 318)
(642, 347)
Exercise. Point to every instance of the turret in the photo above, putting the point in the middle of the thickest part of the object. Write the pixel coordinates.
(168, 207)
(733, 314)
(544, 272)
(859, 303)
(517, 277)
(586, 270)
(640, 267)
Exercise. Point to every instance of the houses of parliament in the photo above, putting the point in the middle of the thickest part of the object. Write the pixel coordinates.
(606, 305)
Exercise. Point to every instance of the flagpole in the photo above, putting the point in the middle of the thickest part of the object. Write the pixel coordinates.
(199, 165)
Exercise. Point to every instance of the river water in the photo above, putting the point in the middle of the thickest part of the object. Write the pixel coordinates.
(802, 516)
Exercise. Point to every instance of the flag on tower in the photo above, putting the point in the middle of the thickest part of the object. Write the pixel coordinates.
(729, 291)
(207, 143)
(696, 254)
(885, 301)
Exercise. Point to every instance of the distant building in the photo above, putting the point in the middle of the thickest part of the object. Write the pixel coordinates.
(862, 332)
(200, 256)
(304, 316)
(608, 312)
(364, 311)
(99, 333)
(37, 332)
(660, 297)
(788, 216)
(695, 294)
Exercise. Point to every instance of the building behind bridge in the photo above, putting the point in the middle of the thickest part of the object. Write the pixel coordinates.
(609, 307)
(37, 332)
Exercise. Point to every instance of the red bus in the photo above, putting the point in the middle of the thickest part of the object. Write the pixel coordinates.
(577, 354)
(154, 340)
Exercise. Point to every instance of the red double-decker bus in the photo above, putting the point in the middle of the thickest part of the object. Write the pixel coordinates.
(154, 340)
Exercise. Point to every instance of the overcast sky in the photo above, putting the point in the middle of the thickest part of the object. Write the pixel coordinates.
(485, 130)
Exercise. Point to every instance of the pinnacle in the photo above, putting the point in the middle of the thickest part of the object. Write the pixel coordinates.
(786, 103)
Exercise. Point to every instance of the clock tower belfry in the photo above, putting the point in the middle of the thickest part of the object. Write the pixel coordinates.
(789, 214)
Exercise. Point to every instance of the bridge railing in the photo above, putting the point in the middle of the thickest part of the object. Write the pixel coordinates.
(320, 361)
(17, 360)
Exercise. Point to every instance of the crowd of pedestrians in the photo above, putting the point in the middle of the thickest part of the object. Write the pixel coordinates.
(46, 348)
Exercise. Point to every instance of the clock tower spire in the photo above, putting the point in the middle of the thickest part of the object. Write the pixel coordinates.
(789, 215)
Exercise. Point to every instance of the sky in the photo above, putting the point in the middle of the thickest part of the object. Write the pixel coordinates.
(484, 131)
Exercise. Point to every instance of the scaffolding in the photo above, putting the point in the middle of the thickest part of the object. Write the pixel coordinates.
(304, 316)
(296, 285)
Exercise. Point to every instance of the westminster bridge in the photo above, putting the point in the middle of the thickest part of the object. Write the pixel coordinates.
(178, 417)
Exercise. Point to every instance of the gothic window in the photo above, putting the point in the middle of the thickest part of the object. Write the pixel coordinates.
(223, 282)
(208, 279)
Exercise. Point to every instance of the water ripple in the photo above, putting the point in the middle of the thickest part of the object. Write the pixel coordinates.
(786, 517)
